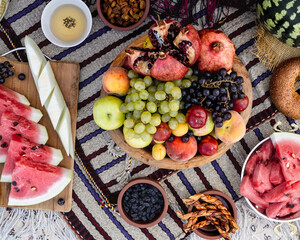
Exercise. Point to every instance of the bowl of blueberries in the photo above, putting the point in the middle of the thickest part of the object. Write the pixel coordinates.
(142, 202)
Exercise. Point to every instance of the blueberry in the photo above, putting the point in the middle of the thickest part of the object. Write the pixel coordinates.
(21, 76)
(61, 201)
(171, 138)
(185, 139)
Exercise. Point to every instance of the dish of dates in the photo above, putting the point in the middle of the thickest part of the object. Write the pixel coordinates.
(183, 97)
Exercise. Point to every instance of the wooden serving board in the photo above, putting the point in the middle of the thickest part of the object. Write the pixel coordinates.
(67, 76)
(145, 155)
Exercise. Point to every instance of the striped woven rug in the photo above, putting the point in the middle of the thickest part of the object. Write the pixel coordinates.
(100, 166)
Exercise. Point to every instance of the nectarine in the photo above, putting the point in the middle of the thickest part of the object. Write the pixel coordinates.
(233, 129)
(116, 81)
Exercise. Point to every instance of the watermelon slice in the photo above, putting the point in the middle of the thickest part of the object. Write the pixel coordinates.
(276, 176)
(247, 190)
(292, 206)
(12, 94)
(261, 177)
(10, 104)
(34, 182)
(277, 194)
(20, 146)
(287, 147)
(263, 153)
(11, 124)
(274, 208)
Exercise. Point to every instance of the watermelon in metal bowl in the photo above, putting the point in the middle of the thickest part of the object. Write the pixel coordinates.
(271, 178)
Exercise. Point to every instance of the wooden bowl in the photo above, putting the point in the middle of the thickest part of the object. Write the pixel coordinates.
(145, 156)
(154, 221)
(210, 231)
(120, 28)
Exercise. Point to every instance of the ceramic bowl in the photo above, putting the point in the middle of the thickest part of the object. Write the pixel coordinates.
(142, 224)
(293, 217)
(120, 28)
(210, 232)
(47, 14)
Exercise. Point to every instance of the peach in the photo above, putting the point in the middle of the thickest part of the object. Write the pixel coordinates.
(179, 151)
(232, 130)
(116, 81)
(206, 129)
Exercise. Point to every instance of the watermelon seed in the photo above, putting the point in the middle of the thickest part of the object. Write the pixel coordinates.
(293, 155)
(17, 190)
(61, 201)
(34, 148)
(3, 145)
(15, 123)
(33, 188)
(288, 165)
(0, 137)
(19, 134)
(283, 158)
(14, 183)
(287, 194)
(290, 205)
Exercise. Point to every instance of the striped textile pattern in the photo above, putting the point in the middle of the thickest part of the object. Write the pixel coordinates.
(104, 161)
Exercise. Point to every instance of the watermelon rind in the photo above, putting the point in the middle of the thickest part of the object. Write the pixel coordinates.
(55, 106)
(283, 136)
(64, 130)
(46, 83)
(36, 59)
(2, 158)
(11, 93)
(53, 191)
(43, 138)
(36, 115)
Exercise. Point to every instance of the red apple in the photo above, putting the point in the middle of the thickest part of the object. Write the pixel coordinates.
(163, 132)
(196, 116)
(208, 146)
(240, 104)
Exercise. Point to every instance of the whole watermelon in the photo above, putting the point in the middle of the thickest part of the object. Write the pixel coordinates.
(282, 19)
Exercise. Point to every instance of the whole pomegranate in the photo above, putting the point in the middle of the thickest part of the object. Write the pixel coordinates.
(216, 51)
(174, 49)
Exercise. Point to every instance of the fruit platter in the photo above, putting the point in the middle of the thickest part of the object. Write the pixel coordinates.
(180, 148)
(36, 160)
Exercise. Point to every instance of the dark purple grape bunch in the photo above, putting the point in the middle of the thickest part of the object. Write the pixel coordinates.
(143, 202)
(215, 92)
(6, 70)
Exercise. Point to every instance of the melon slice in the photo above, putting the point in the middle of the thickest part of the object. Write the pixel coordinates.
(292, 206)
(10, 104)
(276, 176)
(46, 83)
(14, 95)
(64, 130)
(274, 208)
(287, 147)
(11, 124)
(36, 59)
(261, 177)
(55, 106)
(277, 194)
(20, 146)
(34, 182)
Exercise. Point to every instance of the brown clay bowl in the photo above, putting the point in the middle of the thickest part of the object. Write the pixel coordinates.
(144, 155)
(120, 28)
(125, 216)
(210, 232)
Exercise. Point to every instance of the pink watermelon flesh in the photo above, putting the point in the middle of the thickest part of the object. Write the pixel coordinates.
(276, 176)
(247, 190)
(288, 152)
(261, 177)
(10, 104)
(274, 208)
(291, 207)
(277, 194)
(34, 182)
(12, 94)
(293, 190)
(20, 146)
(11, 124)
(263, 153)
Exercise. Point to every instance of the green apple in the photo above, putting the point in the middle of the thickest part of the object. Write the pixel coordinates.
(206, 129)
(137, 140)
(107, 113)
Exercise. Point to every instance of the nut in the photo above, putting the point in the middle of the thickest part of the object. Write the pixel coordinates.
(123, 12)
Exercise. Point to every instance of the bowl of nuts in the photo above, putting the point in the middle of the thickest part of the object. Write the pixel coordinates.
(123, 15)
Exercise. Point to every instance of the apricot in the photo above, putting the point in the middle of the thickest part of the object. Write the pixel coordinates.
(182, 128)
(116, 81)
(232, 130)
(158, 151)
(179, 151)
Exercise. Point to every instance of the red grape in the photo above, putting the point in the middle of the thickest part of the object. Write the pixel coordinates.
(208, 146)
(240, 105)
